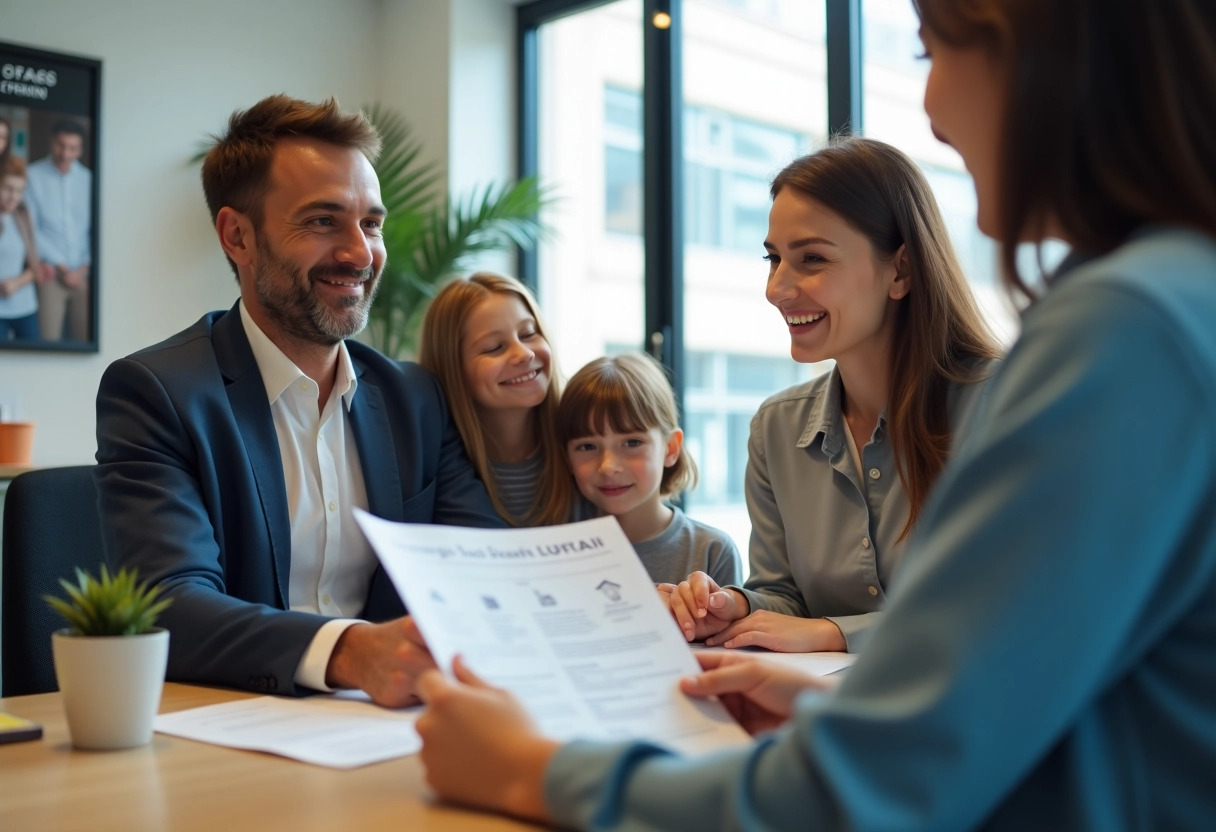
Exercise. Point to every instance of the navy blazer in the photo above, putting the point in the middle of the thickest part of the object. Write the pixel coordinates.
(191, 490)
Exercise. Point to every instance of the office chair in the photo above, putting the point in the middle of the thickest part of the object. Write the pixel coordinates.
(51, 526)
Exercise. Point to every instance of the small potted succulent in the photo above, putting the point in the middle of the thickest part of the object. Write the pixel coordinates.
(110, 661)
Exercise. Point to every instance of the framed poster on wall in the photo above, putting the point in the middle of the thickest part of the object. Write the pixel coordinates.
(49, 185)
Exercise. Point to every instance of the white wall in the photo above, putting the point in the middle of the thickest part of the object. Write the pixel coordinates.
(414, 38)
(449, 66)
(173, 70)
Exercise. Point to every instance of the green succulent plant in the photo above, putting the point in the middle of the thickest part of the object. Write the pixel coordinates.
(114, 605)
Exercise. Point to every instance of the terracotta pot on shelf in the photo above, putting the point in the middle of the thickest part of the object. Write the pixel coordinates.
(16, 443)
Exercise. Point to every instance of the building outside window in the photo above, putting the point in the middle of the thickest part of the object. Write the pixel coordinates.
(755, 89)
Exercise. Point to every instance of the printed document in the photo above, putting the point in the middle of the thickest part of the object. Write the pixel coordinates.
(565, 617)
(341, 731)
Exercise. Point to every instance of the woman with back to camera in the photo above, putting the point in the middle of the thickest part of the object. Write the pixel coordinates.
(861, 270)
(482, 338)
(1047, 659)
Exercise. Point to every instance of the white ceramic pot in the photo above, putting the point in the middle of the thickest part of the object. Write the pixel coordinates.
(111, 686)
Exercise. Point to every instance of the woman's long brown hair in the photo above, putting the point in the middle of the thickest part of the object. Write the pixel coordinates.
(940, 336)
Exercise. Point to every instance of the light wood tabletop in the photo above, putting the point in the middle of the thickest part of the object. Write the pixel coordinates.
(178, 784)
(8, 471)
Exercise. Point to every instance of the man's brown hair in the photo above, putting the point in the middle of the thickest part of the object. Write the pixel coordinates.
(236, 171)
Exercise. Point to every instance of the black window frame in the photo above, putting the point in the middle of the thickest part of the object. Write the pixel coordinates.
(662, 130)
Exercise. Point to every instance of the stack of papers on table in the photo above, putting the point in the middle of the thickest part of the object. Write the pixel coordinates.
(340, 731)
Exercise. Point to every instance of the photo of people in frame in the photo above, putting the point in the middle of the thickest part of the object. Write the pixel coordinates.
(48, 200)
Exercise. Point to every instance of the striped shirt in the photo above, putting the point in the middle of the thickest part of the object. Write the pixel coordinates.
(516, 484)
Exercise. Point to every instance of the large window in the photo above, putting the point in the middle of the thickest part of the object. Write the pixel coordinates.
(753, 98)
(892, 94)
(728, 163)
(661, 141)
(589, 150)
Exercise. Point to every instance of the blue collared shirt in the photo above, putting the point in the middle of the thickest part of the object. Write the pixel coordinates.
(1048, 656)
(61, 205)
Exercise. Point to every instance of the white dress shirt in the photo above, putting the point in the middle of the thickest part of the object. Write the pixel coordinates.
(61, 205)
(331, 561)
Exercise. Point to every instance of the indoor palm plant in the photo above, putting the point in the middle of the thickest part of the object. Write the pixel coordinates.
(430, 237)
(110, 660)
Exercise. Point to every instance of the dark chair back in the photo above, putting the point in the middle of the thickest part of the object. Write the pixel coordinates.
(51, 526)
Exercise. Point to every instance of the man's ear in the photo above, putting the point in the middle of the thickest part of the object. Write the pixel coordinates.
(236, 235)
(674, 443)
(902, 284)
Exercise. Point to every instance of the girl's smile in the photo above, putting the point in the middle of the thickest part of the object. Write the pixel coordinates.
(621, 473)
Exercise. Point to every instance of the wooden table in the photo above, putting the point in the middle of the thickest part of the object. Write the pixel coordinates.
(8, 471)
(176, 784)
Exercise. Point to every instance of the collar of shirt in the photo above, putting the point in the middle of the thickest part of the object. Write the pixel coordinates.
(74, 169)
(827, 417)
(279, 372)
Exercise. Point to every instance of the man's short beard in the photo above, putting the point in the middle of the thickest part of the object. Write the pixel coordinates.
(297, 310)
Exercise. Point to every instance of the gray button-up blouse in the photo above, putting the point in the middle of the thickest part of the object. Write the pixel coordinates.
(825, 536)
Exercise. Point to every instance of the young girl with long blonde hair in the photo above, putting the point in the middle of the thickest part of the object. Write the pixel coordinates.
(483, 339)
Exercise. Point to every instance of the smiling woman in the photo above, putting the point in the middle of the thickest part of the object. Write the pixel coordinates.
(861, 271)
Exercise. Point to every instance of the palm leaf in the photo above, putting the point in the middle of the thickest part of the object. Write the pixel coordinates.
(430, 237)
(406, 182)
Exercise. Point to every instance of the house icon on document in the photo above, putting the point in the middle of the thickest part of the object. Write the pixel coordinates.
(611, 589)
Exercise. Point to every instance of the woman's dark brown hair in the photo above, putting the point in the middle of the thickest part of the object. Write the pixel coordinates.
(940, 336)
(1110, 120)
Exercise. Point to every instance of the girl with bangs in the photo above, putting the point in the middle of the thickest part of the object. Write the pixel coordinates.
(617, 422)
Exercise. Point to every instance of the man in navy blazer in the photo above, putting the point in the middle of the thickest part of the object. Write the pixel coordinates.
(231, 455)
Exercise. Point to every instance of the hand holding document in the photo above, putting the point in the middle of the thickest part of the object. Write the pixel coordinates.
(564, 617)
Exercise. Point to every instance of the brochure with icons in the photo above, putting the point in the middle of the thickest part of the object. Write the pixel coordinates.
(565, 617)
